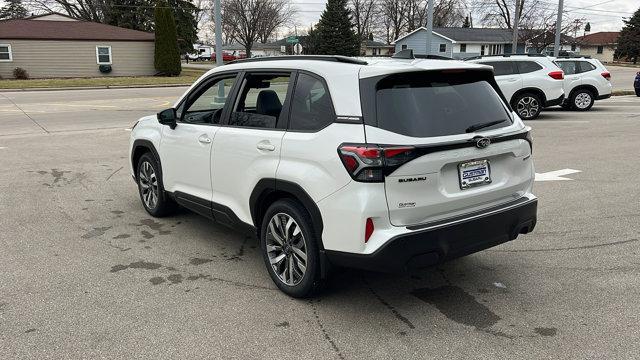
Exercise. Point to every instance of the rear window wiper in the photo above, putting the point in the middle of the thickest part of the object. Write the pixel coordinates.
(477, 127)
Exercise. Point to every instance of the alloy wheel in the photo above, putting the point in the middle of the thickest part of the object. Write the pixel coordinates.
(148, 185)
(582, 101)
(286, 249)
(528, 107)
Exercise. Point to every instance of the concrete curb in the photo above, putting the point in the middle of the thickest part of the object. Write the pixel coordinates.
(103, 87)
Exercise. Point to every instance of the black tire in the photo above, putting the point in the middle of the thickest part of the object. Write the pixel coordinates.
(527, 105)
(581, 100)
(310, 282)
(638, 93)
(163, 205)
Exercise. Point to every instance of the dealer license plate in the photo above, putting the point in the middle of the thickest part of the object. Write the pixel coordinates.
(474, 173)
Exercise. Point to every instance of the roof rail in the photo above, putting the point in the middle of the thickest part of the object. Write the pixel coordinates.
(334, 58)
(504, 55)
(409, 55)
(574, 57)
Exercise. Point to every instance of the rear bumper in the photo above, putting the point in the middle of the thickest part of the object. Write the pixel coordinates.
(439, 243)
(554, 102)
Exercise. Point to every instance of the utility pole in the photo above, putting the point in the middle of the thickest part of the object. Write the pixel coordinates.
(218, 21)
(516, 20)
(556, 45)
(429, 26)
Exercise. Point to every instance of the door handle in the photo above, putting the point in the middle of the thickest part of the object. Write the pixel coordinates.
(265, 145)
(204, 139)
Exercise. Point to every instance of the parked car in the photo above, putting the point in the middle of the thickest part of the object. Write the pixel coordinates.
(530, 82)
(585, 81)
(226, 57)
(636, 84)
(334, 162)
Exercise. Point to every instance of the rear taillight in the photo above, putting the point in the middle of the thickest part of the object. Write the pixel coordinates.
(558, 75)
(370, 163)
(368, 229)
(606, 75)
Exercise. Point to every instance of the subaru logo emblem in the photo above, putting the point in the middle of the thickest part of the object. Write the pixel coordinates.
(482, 143)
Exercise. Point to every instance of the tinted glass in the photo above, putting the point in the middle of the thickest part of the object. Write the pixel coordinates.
(311, 107)
(207, 104)
(569, 67)
(501, 67)
(528, 66)
(585, 66)
(260, 101)
(424, 104)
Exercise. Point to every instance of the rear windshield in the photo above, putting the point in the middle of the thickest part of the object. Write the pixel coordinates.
(437, 104)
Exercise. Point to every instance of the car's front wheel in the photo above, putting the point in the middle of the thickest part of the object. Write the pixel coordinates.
(582, 100)
(527, 106)
(290, 249)
(152, 194)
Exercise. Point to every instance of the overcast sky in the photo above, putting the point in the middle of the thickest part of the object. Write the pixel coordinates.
(604, 15)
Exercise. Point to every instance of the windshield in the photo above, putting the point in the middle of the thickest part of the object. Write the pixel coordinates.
(438, 104)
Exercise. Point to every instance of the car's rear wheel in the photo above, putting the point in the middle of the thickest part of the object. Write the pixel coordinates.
(582, 100)
(290, 249)
(152, 194)
(527, 106)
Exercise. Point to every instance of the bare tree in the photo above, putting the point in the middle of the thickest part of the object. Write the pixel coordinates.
(252, 20)
(362, 13)
(394, 13)
(279, 14)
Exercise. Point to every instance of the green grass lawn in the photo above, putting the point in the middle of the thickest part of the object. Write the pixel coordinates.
(188, 76)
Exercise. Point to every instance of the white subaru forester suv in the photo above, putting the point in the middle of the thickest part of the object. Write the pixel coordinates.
(331, 161)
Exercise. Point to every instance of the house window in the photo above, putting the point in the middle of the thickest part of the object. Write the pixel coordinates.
(600, 49)
(5, 52)
(443, 48)
(404, 46)
(482, 50)
(103, 55)
(463, 48)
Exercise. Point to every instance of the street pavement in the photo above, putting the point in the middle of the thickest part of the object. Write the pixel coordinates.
(87, 273)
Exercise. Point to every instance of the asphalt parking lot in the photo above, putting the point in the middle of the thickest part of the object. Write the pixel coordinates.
(86, 273)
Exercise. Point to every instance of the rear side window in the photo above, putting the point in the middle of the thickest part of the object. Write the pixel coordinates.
(260, 101)
(525, 67)
(429, 104)
(585, 66)
(311, 107)
(502, 67)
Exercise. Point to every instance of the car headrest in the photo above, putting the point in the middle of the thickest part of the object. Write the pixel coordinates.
(268, 103)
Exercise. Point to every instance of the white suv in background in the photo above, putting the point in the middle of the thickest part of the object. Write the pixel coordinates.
(333, 161)
(530, 82)
(585, 80)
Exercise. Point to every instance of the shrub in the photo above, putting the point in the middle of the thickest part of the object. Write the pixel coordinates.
(20, 73)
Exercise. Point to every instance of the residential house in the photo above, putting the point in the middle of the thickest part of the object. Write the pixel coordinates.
(600, 45)
(56, 45)
(376, 48)
(459, 43)
(543, 42)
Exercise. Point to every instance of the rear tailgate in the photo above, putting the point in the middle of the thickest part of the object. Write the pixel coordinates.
(462, 149)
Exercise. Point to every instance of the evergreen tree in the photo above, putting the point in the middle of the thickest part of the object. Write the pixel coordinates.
(629, 40)
(13, 10)
(186, 24)
(167, 55)
(310, 42)
(335, 32)
(467, 23)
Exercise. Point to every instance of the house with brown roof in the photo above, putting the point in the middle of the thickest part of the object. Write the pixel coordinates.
(56, 45)
(600, 45)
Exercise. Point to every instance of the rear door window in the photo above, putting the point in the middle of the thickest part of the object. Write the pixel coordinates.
(430, 104)
(569, 67)
(261, 101)
(502, 67)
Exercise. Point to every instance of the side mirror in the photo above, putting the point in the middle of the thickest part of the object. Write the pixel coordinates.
(168, 117)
